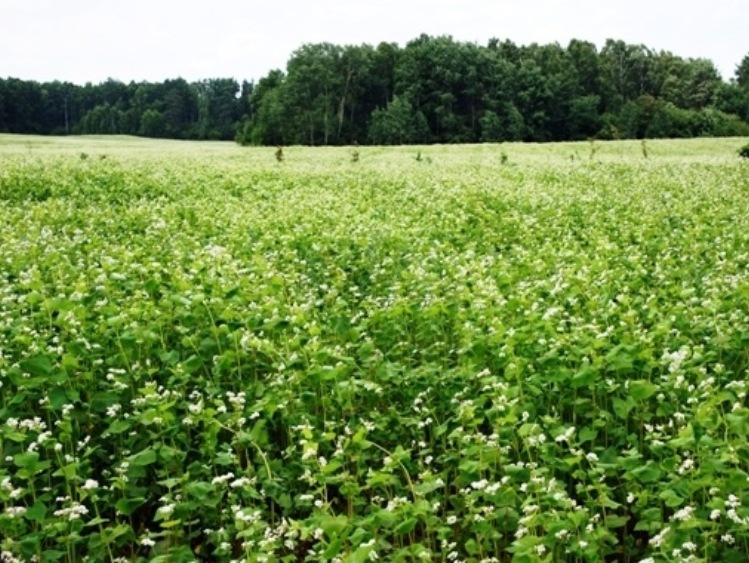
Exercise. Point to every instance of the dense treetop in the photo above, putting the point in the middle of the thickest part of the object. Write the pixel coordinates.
(432, 90)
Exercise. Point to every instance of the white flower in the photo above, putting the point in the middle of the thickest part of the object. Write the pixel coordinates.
(15, 511)
(222, 478)
(241, 482)
(683, 514)
(735, 518)
(566, 435)
(478, 485)
(90, 485)
(73, 512)
(658, 539)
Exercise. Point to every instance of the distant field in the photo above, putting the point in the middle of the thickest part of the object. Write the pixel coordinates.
(444, 353)
(124, 146)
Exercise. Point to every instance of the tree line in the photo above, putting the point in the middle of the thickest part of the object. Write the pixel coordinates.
(209, 109)
(432, 90)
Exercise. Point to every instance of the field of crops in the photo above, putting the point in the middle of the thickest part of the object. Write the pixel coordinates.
(485, 353)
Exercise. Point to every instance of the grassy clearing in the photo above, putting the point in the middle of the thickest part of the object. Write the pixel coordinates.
(205, 354)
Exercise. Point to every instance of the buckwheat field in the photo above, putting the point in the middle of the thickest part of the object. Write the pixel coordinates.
(482, 353)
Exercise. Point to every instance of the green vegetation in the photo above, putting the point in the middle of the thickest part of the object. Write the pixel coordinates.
(513, 353)
(432, 90)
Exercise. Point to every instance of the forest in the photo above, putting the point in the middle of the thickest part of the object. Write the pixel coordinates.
(432, 90)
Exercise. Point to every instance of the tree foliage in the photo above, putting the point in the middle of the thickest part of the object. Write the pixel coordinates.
(210, 109)
(432, 90)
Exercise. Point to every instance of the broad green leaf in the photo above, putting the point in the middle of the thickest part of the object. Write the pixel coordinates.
(126, 506)
(37, 366)
(406, 527)
(142, 458)
(641, 389)
(648, 473)
(37, 512)
(584, 378)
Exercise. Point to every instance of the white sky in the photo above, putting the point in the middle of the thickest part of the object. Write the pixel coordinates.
(91, 40)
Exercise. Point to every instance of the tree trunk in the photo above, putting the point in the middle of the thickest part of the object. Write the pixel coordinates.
(342, 104)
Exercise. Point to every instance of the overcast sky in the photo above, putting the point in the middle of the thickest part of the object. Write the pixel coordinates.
(91, 40)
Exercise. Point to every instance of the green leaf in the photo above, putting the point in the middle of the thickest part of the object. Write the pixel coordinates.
(116, 532)
(38, 366)
(67, 471)
(685, 438)
(102, 401)
(584, 378)
(57, 398)
(333, 549)
(192, 364)
(14, 436)
(333, 525)
(233, 292)
(406, 527)
(738, 424)
(641, 389)
(26, 460)
(587, 434)
(145, 457)
(622, 407)
(616, 521)
(170, 358)
(119, 426)
(52, 555)
(384, 518)
(361, 555)
(472, 547)
(648, 473)
(199, 490)
(359, 536)
(37, 512)
(126, 506)
(671, 499)
(167, 453)
(259, 434)
(283, 500)
(180, 300)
